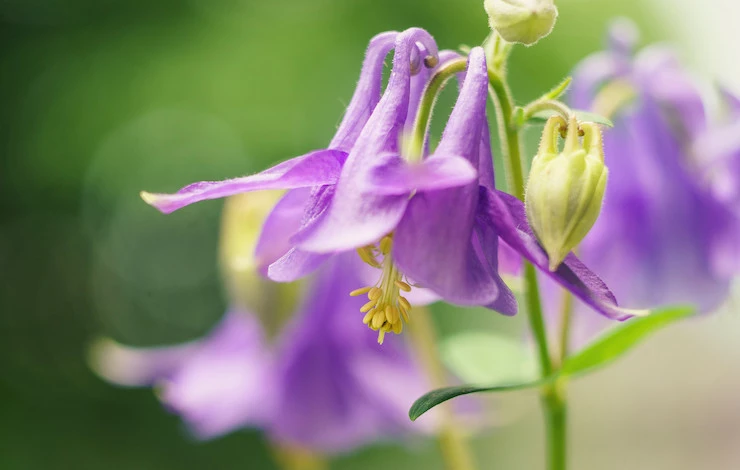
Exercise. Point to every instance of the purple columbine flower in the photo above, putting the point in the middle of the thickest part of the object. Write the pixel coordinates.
(662, 236)
(323, 384)
(436, 221)
(443, 236)
(312, 178)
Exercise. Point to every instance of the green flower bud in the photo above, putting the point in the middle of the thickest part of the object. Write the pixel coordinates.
(565, 189)
(522, 21)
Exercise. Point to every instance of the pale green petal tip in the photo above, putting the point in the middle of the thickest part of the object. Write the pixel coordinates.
(149, 198)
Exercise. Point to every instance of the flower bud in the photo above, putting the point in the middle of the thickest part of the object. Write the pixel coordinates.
(522, 21)
(565, 189)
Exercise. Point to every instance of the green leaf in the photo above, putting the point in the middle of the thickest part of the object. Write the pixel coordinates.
(558, 90)
(465, 353)
(441, 395)
(621, 339)
(487, 358)
(586, 116)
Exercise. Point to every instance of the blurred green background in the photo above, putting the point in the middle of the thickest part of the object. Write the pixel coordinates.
(100, 99)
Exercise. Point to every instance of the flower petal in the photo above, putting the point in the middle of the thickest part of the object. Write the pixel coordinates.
(435, 243)
(367, 93)
(316, 168)
(227, 384)
(591, 73)
(295, 264)
(660, 74)
(432, 244)
(355, 218)
(332, 371)
(397, 177)
(506, 214)
(284, 220)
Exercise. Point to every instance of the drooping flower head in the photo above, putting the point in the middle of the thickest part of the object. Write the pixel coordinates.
(313, 178)
(435, 221)
(662, 237)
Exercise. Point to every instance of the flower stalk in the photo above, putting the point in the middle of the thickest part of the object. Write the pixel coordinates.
(552, 395)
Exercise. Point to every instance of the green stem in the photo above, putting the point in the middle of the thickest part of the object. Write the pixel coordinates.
(455, 451)
(508, 133)
(415, 149)
(536, 320)
(557, 421)
(553, 395)
(547, 105)
(565, 321)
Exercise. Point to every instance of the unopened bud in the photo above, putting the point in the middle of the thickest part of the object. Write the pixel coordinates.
(565, 189)
(522, 21)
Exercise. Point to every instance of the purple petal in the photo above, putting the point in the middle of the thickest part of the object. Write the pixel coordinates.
(367, 93)
(432, 245)
(462, 134)
(434, 242)
(355, 218)
(591, 73)
(316, 168)
(227, 384)
(661, 76)
(488, 248)
(295, 264)
(509, 261)
(506, 214)
(622, 36)
(284, 220)
(339, 388)
(397, 177)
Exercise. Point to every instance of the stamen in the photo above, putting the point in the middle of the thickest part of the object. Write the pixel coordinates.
(378, 319)
(368, 316)
(374, 293)
(386, 309)
(367, 254)
(403, 286)
(362, 291)
(385, 244)
(366, 308)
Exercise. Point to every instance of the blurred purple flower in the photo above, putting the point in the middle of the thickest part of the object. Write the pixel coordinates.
(662, 237)
(717, 149)
(323, 384)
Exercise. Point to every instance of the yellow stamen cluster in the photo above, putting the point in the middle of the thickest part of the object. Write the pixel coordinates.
(386, 307)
